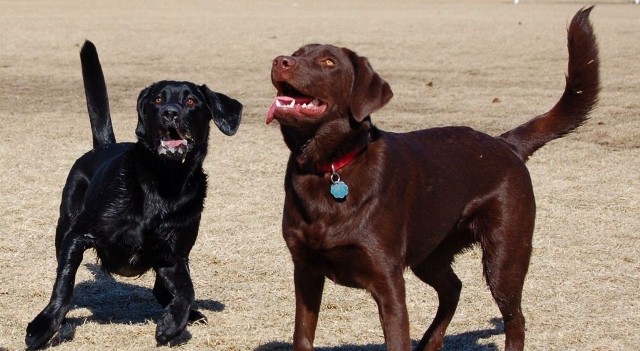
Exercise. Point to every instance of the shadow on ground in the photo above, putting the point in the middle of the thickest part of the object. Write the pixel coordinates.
(111, 301)
(469, 341)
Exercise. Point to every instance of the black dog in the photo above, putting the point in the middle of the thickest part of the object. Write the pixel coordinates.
(138, 204)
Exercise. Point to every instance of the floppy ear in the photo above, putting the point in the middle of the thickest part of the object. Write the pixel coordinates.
(369, 92)
(225, 111)
(142, 101)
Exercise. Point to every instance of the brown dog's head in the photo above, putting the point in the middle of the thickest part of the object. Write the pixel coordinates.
(173, 117)
(320, 82)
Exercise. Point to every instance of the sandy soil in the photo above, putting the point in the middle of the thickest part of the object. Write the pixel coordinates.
(447, 61)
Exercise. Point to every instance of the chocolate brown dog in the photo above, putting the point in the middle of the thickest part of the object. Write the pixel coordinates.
(362, 204)
(138, 204)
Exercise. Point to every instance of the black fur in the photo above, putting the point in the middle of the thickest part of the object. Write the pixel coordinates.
(138, 204)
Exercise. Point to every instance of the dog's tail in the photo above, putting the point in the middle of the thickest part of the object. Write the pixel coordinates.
(580, 92)
(95, 90)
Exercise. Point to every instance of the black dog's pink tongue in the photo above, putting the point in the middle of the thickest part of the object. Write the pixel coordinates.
(173, 143)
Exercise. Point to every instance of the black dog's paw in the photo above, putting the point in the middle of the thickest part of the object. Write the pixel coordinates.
(168, 328)
(195, 317)
(39, 331)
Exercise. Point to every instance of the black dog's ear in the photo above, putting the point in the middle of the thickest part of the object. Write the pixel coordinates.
(370, 92)
(225, 111)
(142, 101)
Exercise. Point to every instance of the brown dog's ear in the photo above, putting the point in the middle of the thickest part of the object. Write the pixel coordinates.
(370, 92)
(225, 111)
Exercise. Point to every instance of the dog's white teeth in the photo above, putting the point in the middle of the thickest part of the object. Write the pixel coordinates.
(290, 104)
(310, 104)
(315, 102)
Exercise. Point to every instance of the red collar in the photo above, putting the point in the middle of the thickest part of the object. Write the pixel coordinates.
(339, 163)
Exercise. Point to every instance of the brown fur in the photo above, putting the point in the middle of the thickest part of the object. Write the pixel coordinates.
(415, 199)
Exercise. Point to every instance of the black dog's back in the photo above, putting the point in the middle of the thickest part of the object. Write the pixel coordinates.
(95, 90)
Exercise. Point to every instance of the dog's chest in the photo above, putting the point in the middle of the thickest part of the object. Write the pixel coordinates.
(157, 235)
(332, 251)
(334, 236)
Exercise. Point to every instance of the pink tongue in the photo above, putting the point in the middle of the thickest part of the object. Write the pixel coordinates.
(174, 143)
(272, 109)
(286, 101)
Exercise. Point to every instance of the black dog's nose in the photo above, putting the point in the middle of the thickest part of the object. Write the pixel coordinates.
(169, 112)
(283, 62)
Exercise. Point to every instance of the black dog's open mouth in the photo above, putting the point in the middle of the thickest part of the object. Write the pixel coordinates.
(174, 144)
(289, 101)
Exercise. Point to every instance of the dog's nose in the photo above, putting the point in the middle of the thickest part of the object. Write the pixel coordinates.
(169, 112)
(283, 63)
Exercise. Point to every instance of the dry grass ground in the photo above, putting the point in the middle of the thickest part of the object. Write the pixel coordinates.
(446, 62)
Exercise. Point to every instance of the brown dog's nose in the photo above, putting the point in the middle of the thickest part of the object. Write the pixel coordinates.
(282, 63)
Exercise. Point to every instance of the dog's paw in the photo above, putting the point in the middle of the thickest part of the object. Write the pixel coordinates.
(168, 328)
(195, 317)
(39, 331)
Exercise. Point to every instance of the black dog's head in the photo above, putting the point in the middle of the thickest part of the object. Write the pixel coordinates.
(173, 117)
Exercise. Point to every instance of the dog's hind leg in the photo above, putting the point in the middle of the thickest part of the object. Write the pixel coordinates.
(437, 272)
(71, 206)
(506, 248)
(505, 273)
(45, 325)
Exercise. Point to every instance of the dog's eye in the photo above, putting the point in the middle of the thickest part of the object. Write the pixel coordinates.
(190, 102)
(328, 62)
(159, 100)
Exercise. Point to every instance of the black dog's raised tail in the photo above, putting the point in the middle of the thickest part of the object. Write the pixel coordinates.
(95, 90)
(580, 93)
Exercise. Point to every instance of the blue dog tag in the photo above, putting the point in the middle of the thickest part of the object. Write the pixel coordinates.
(339, 190)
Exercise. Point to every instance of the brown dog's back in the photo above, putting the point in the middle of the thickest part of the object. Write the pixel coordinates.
(444, 184)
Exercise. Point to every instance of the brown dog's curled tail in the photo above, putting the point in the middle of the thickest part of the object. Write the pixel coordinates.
(580, 93)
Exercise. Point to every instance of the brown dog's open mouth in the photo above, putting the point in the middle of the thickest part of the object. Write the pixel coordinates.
(174, 144)
(295, 106)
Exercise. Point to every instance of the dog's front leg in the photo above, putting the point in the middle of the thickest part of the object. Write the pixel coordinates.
(177, 281)
(308, 286)
(389, 294)
(164, 297)
(42, 328)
